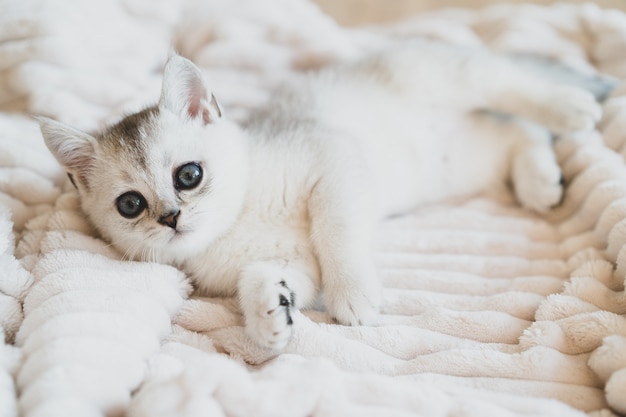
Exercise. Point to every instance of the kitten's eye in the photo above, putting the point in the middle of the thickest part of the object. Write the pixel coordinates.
(131, 204)
(188, 176)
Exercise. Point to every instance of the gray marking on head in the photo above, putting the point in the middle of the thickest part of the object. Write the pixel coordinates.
(130, 135)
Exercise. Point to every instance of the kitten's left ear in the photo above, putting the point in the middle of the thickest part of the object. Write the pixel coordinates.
(185, 92)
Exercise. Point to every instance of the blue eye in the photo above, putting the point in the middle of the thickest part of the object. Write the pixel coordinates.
(131, 204)
(188, 176)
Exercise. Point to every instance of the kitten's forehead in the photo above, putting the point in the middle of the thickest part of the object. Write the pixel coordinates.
(141, 151)
(132, 136)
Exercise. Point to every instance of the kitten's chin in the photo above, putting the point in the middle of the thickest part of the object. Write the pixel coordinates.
(172, 248)
(180, 246)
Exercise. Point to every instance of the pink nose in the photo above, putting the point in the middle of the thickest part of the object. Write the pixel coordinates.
(170, 219)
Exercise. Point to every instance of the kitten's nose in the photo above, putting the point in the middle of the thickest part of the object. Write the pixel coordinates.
(170, 219)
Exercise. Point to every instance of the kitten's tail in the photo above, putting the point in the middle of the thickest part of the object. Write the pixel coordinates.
(600, 86)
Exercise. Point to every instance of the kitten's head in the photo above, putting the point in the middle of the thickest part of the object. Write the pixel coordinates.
(163, 183)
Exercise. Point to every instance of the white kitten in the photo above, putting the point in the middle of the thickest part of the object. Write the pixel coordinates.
(285, 205)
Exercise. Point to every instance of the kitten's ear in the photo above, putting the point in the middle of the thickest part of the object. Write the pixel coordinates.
(71, 147)
(185, 92)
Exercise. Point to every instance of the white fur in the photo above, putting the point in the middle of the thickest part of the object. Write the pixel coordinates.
(296, 191)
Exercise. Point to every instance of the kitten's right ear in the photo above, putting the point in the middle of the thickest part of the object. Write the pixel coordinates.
(185, 92)
(72, 148)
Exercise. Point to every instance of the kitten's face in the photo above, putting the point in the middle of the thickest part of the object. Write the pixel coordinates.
(164, 189)
(161, 184)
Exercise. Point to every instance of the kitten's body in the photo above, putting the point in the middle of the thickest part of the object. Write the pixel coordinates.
(288, 203)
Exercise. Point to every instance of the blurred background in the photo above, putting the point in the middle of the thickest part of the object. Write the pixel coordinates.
(359, 12)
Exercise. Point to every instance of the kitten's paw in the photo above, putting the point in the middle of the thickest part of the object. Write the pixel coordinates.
(569, 109)
(268, 318)
(537, 180)
(353, 304)
(267, 295)
(354, 311)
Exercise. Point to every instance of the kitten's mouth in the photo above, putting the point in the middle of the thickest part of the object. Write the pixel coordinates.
(177, 235)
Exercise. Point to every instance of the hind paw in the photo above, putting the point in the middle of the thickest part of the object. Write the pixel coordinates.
(537, 180)
(568, 109)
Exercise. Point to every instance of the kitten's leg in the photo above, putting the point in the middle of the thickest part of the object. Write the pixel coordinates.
(476, 79)
(341, 233)
(521, 152)
(560, 108)
(268, 294)
(500, 84)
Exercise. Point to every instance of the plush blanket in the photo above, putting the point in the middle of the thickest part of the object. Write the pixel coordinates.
(488, 310)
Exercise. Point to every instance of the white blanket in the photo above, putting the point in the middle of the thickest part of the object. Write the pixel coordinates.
(488, 310)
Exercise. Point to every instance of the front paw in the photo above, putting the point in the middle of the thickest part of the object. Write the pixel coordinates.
(269, 317)
(355, 303)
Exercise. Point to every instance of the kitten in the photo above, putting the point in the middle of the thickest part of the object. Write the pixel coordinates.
(284, 206)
